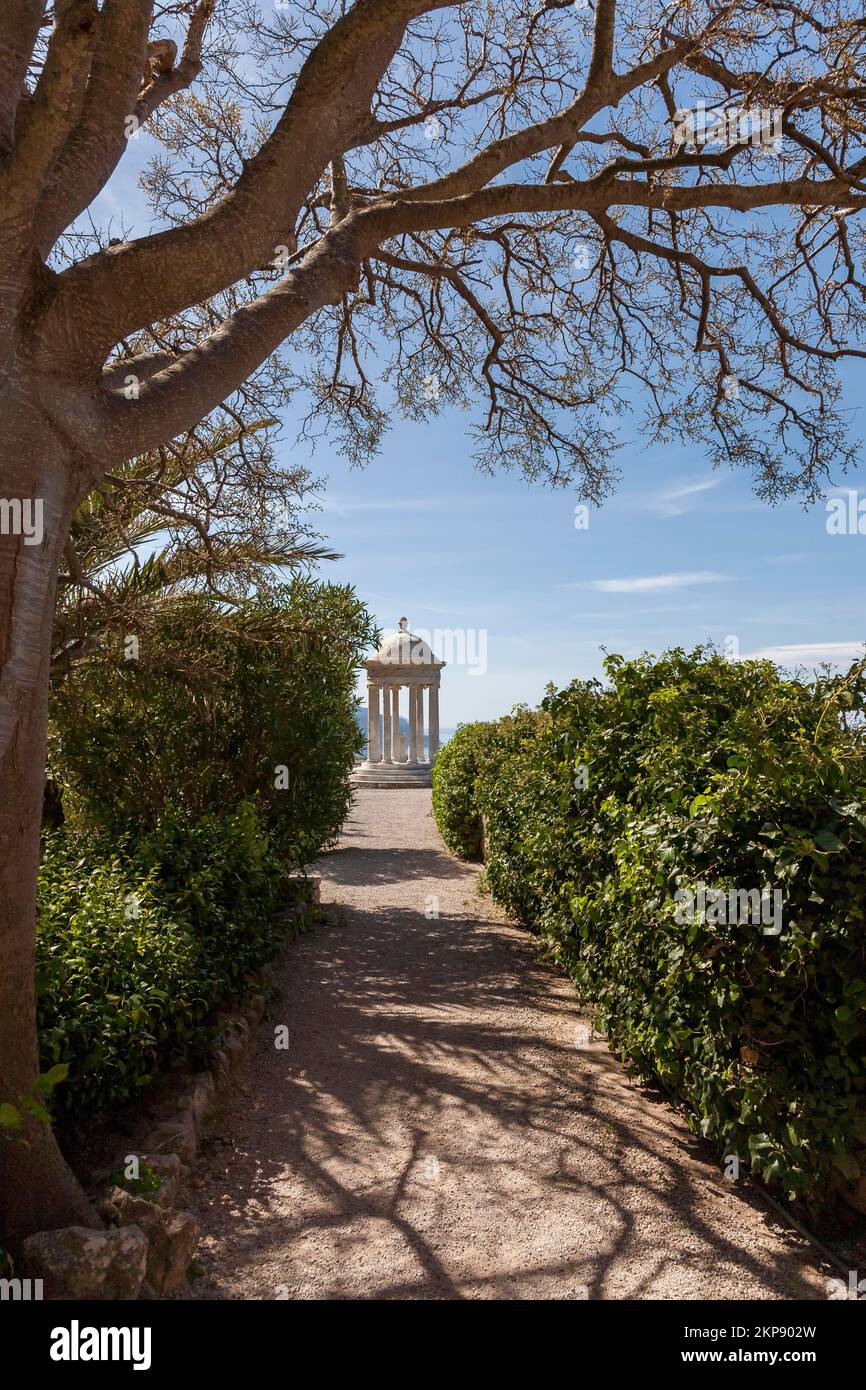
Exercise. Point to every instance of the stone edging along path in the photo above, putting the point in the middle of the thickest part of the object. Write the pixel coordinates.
(441, 1124)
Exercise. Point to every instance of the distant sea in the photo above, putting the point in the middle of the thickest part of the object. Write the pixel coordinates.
(361, 717)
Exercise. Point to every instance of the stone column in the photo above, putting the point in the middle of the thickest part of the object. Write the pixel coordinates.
(413, 724)
(434, 723)
(395, 724)
(374, 751)
(386, 724)
(419, 724)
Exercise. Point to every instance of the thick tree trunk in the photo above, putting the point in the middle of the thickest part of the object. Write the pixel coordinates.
(37, 1189)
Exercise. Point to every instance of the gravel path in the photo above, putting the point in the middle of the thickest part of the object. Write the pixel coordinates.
(434, 1131)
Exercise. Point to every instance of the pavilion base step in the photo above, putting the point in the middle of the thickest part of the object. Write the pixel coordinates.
(390, 775)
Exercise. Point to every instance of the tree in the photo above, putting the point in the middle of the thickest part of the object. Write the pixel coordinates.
(506, 198)
(209, 514)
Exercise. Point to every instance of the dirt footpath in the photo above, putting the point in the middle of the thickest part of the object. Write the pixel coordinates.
(438, 1127)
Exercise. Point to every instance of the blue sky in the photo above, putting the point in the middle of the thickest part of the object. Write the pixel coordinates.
(680, 554)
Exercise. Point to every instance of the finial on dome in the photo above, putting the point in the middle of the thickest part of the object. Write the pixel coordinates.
(404, 624)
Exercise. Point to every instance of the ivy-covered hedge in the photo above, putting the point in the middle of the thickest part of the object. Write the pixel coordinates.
(137, 942)
(685, 773)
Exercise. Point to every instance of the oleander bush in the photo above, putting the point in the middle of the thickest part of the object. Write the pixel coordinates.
(139, 941)
(686, 772)
(218, 707)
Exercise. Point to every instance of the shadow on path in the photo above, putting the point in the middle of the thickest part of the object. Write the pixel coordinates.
(434, 1132)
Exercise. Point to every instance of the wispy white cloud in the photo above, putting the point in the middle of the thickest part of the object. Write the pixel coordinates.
(650, 583)
(806, 653)
(788, 558)
(675, 501)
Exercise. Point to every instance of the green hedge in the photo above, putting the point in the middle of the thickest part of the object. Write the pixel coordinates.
(690, 771)
(137, 942)
(453, 777)
(188, 783)
(254, 702)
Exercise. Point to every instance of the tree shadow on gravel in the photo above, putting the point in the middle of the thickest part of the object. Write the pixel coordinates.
(432, 1109)
(355, 867)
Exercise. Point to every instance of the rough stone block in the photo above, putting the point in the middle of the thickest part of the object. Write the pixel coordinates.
(175, 1136)
(78, 1263)
(172, 1237)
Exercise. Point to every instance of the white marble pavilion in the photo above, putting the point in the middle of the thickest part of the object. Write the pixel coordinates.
(403, 662)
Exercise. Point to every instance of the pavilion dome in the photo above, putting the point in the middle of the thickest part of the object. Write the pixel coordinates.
(403, 648)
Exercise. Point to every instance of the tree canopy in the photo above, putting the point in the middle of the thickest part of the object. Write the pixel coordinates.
(496, 206)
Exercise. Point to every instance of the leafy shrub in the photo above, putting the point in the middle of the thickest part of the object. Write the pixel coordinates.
(220, 707)
(453, 778)
(220, 875)
(138, 942)
(520, 819)
(689, 771)
(189, 781)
